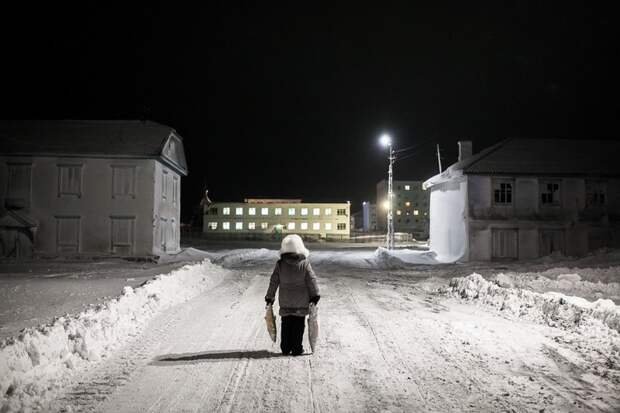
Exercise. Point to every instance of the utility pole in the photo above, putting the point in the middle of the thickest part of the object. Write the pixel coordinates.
(390, 211)
(438, 158)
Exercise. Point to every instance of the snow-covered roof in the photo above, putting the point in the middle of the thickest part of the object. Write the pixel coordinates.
(540, 157)
(91, 138)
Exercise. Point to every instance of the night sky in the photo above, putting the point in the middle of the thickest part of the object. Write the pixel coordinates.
(288, 101)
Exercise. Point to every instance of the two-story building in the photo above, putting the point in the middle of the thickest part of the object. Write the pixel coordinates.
(527, 198)
(409, 207)
(89, 188)
(268, 217)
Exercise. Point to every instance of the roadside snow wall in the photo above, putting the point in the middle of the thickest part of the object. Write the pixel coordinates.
(40, 361)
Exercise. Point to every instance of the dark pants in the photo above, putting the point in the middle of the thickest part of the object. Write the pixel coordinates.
(292, 334)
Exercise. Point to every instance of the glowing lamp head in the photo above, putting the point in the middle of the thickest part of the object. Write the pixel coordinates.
(385, 140)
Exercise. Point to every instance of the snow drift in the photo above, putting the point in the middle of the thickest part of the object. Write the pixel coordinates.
(40, 361)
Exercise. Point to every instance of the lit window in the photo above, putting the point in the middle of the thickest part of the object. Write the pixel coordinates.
(407, 203)
(304, 211)
(316, 211)
(328, 211)
(278, 211)
(398, 212)
(264, 211)
(342, 226)
(226, 225)
(238, 225)
(212, 225)
(225, 211)
(304, 225)
(407, 188)
(416, 212)
(291, 211)
(239, 211)
(264, 225)
(316, 226)
(328, 226)
(291, 225)
(251, 211)
(251, 225)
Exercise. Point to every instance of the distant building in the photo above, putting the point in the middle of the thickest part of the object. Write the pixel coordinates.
(526, 198)
(410, 208)
(266, 217)
(89, 188)
(365, 220)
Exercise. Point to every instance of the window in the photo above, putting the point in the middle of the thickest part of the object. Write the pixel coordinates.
(239, 211)
(328, 226)
(70, 180)
(277, 211)
(124, 181)
(398, 212)
(226, 211)
(251, 225)
(505, 244)
(596, 194)
(175, 190)
(407, 203)
(316, 226)
(407, 188)
(304, 211)
(226, 225)
(316, 211)
(328, 211)
(164, 184)
(416, 212)
(238, 225)
(304, 226)
(550, 193)
(264, 225)
(291, 211)
(212, 211)
(291, 225)
(341, 211)
(342, 226)
(264, 211)
(502, 191)
(19, 186)
(212, 225)
(251, 211)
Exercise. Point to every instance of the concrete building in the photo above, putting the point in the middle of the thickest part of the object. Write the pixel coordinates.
(89, 188)
(526, 198)
(410, 208)
(274, 217)
(365, 220)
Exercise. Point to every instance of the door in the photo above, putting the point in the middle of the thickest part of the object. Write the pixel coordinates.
(505, 244)
(552, 242)
(122, 234)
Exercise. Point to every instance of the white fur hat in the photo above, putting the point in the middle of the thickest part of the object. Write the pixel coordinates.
(293, 243)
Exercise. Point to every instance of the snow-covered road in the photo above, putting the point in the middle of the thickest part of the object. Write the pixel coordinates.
(385, 345)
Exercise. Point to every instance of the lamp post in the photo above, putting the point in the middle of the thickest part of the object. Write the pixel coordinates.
(386, 141)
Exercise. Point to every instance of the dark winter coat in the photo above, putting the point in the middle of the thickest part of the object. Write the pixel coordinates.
(297, 282)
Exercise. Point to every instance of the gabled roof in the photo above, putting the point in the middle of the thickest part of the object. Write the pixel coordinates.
(540, 157)
(88, 138)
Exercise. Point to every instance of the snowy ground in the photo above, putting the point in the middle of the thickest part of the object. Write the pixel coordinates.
(395, 336)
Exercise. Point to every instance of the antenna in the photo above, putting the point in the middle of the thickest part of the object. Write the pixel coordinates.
(438, 158)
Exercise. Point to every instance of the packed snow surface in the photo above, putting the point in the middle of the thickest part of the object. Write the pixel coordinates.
(36, 364)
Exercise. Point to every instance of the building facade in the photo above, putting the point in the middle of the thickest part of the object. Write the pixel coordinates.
(90, 188)
(275, 217)
(365, 220)
(525, 198)
(410, 207)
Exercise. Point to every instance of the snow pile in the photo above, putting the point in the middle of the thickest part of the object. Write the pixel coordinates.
(186, 255)
(35, 365)
(555, 309)
(381, 258)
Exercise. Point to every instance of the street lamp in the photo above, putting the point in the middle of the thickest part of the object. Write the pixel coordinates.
(386, 141)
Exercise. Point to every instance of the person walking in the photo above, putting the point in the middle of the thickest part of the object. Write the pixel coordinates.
(298, 287)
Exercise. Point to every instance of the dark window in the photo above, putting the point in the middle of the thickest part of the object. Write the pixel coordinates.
(342, 226)
(502, 192)
(212, 211)
(550, 193)
(596, 192)
(341, 212)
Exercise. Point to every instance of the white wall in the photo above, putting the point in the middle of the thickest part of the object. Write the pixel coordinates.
(448, 226)
(93, 209)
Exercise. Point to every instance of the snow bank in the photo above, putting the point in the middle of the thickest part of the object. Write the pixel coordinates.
(35, 365)
(552, 308)
(186, 255)
(381, 258)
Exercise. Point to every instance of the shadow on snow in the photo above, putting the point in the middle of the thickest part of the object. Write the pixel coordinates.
(205, 356)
